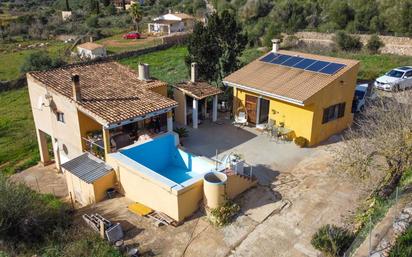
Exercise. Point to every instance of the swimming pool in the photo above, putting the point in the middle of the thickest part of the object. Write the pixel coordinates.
(161, 156)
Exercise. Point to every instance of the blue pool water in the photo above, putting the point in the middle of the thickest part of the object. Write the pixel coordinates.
(163, 157)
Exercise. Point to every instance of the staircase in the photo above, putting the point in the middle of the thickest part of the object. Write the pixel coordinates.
(237, 183)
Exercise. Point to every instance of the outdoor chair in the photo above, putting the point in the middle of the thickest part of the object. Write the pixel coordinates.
(274, 133)
(269, 127)
(240, 119)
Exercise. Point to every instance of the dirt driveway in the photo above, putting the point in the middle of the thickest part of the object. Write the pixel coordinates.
(43, 179)
(295, 197)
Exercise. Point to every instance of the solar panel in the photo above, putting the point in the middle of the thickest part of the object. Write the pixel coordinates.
(280, 59)
(292, 61)
(332, 68)
(268, 57)
(317, 66)
(304, 63)
(307, 64)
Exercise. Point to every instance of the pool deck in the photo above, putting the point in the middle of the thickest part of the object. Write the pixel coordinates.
(267, 157)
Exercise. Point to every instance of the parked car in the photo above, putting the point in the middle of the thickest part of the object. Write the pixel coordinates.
(395, 80)
(131, 35)
(363, 93)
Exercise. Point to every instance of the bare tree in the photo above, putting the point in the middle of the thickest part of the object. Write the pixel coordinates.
(380, 140)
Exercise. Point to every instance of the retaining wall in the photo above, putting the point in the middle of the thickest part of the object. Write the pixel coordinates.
(393, 45)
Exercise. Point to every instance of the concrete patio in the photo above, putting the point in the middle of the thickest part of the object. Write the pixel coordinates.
(267, 156)
(297, 193)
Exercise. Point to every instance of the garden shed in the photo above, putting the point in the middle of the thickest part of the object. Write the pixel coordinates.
(88, 178)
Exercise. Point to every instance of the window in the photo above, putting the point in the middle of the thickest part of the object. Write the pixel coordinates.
(408, 75)
(60, 117)
(333, 112)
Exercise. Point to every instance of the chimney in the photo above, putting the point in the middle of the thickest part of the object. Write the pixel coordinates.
(275, 45)
(193, 72)
(76, 87)
(144, 71)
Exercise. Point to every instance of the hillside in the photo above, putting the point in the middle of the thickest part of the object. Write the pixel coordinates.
(264, 19)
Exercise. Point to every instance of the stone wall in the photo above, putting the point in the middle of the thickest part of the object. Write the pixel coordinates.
(393, 45)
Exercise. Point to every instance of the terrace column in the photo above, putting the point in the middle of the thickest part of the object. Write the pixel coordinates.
(214, 110)
(56, 152)
(106, 141)
(43, 149)
(195, 113)
(169, 121)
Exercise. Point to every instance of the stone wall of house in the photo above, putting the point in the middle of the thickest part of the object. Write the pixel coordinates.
(393, 45)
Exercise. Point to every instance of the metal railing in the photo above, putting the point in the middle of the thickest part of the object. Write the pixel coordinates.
(92, 146)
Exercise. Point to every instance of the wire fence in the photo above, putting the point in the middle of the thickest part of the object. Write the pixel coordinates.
(369, 239)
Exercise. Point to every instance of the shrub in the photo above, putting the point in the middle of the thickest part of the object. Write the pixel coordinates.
(332, 240)
(40, 60)
(92, 21)
(374, 44)
(301, 141)
(347, 42)
(221, 216)
(182, 132)
(28, 217)
(403, 245)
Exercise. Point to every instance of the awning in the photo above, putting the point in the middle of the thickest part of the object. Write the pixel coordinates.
(87, 167)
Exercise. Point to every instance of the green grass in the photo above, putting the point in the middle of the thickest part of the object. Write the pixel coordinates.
(371, 65)
(11, 60)
(18, 144)
(167, 65)
(403, 245)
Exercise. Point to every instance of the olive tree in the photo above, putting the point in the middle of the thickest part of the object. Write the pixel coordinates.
(380, 140)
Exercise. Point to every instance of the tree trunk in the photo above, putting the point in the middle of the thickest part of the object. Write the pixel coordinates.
(389, 184)
(124, 5)
(67, 5)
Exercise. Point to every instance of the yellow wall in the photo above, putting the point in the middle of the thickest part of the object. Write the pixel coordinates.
(102, 184)
(141, 188)
(64, 135)
(89, 193)
(306, 121)
(87, 124)
(335, 93)
(180, 110)
(236, 185)
(79, 190)
(295, 117)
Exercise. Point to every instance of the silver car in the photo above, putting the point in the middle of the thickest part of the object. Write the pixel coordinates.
(395, 80)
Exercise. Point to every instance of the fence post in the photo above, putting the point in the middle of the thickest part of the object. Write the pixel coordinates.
(370, 236)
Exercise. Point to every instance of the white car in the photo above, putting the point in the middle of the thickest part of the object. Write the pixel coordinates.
(363, 93)
(395, 80)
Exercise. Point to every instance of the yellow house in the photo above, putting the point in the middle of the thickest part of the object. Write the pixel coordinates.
(310, 95)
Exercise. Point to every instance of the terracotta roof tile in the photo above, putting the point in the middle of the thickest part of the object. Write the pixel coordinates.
(284, 81)
(110, 91)
(198, 90)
